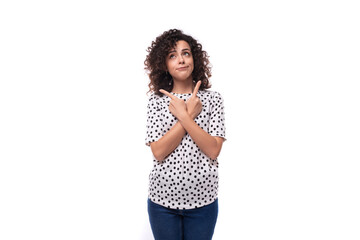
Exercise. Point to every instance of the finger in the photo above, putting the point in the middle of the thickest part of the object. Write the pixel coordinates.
(167, 93)
(196, 89)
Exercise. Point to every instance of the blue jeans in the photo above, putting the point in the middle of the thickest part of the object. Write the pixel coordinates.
(189, 224)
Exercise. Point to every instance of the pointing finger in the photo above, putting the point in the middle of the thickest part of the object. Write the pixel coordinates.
(167, 93)
(196, 89)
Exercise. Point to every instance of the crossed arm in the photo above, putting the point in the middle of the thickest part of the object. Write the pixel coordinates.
(186, 113)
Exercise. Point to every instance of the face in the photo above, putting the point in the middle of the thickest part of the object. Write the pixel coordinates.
(180, 62)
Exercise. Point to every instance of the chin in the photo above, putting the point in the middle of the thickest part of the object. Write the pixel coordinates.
(183, 78)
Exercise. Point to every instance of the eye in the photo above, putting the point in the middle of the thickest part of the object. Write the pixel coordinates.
(186, 53)
(172, 56)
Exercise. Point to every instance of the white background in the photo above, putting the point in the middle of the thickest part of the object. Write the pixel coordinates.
(74, 164)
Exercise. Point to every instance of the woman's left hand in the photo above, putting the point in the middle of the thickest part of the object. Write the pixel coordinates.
(177, 106)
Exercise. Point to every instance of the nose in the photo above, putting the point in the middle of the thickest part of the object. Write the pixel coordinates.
(181, 59)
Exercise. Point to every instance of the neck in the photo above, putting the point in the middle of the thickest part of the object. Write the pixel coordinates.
(186, 86)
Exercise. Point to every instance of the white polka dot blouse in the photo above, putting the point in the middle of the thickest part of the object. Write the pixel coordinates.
(187, 178)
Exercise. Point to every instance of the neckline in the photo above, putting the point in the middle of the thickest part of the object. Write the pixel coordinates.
(181, 93)
(184, 94)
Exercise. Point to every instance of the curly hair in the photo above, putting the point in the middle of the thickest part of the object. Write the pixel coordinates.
(156, 67)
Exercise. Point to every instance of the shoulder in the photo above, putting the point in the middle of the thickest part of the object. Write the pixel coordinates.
(155, 101)
(153, 97)
(212, 95)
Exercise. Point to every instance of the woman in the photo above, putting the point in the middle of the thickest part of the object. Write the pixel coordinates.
(185, 131)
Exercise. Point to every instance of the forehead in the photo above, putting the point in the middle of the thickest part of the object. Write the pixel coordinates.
(180, 45)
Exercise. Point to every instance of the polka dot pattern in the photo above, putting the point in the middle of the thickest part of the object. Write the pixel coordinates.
(187, 178)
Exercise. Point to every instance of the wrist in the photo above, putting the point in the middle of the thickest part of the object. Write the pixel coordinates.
(185, 116)
(192, 115)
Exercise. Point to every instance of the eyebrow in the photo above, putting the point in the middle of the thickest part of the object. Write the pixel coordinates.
(185, 49)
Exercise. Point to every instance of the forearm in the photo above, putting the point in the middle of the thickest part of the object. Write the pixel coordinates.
(207, 143)
(168, 143)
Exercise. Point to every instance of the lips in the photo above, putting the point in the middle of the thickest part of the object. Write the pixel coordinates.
(182, 68)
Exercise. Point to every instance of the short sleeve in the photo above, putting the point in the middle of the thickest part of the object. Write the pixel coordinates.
(217, 116)
(154, 126)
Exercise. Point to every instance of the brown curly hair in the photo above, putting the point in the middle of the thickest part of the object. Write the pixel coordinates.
(156, 67)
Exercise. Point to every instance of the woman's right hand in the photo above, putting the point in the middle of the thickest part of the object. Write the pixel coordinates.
(193, 104)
